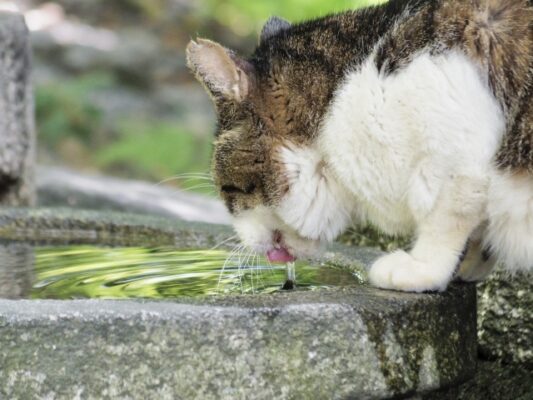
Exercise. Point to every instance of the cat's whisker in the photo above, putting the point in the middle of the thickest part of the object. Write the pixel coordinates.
(221, 274)
(191, 177)
(259, 268)
(250, 271)
(206, 174)
(245, 265)
(229, 258)
(184, 177)
(271, 268)
(240, 255)
(242, 267)
(198, 186)
(241, 274)
(211, 192)
(232, 237)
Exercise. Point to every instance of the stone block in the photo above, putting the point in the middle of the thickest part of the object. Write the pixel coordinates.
(17, 132)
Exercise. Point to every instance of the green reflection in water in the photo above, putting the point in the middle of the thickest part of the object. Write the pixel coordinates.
(98, 272)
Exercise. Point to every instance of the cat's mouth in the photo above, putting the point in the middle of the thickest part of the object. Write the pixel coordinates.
(279, 253)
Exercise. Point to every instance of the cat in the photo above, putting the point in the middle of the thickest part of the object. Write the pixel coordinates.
(415, 116)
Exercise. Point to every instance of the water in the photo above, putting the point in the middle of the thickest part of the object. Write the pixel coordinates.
(133, 272)
(290, 276)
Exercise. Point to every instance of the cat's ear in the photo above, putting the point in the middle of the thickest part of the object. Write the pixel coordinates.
(273, 26)
(219, 69)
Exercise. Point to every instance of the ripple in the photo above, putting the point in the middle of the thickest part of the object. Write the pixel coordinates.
(135, 272)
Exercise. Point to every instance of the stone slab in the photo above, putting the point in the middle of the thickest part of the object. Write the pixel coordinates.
(357, 342)
(354, 343)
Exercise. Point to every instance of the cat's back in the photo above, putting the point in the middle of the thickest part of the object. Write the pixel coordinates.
(306, 65)
(437, 92)
(496, 36)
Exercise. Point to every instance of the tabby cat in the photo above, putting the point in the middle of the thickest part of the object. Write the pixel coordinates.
(415, 116)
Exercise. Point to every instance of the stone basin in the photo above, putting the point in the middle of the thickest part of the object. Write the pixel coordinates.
(351, 342)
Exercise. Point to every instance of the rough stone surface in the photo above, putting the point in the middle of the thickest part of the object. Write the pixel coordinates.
(16, 273)
(17, 136)
(356, 342)
(60, 187)
(493, 381)
(64, 225)
(505, 307)
(505, 318)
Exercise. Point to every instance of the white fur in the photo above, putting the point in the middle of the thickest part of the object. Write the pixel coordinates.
(411, 152)
(415, 149)
(394, 141)
(510, 214)
(314, 210)
(256, 229)
(316, 206)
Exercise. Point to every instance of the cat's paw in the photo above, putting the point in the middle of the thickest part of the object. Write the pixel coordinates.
(400, 271)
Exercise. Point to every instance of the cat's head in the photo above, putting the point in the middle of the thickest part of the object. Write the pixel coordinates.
(266, 166)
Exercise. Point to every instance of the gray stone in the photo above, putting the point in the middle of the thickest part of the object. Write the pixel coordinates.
(505, 318)
(16, 272)
(354, 342)
(17, 136)
(64, 225)
(61, 187)
(493, 381)
(505, 306)
(359, 343)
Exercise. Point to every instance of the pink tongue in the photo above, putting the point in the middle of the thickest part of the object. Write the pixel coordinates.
(280, 255)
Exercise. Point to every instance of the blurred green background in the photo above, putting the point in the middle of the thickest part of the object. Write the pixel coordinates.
(113, 94)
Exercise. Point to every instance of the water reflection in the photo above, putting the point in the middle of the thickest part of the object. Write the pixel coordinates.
(16, 270)
(134, 272)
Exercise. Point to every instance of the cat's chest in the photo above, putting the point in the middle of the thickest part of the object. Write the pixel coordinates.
(389, 139)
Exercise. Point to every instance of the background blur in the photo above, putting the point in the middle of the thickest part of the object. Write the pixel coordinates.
(113, 94)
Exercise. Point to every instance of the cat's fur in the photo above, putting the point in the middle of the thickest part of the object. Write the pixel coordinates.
(415, 116)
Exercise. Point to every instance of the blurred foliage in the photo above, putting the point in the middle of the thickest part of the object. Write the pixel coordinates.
(157, 150)
(152, 9)
(245, 17)
(149, 149)
(77, 131)
(66, 111)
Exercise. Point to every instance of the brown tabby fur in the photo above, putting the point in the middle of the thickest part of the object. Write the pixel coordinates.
(293, 75)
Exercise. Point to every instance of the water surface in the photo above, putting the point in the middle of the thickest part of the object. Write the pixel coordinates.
(133, 272)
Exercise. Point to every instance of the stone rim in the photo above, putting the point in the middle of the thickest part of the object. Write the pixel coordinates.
(379, 343)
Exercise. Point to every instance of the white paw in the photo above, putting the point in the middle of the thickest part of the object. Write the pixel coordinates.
(400, 271)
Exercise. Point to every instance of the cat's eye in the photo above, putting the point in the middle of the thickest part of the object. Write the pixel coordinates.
(231, 189)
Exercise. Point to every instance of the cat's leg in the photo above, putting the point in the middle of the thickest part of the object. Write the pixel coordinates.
(478, 261)
(442, 236)
(510, 213)
(477, 264)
